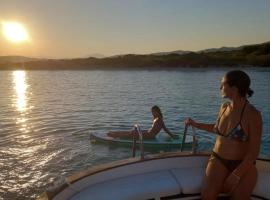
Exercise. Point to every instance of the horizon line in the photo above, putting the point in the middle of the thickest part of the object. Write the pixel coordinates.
(123, 54)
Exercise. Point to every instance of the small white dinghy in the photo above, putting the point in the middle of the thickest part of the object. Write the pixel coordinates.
(162, 143)
(156, 143)
(174, 176)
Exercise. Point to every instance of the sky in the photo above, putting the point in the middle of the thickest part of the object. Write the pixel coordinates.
(81, 28)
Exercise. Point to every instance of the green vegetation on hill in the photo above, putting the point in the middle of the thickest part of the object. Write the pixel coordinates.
(255, 55)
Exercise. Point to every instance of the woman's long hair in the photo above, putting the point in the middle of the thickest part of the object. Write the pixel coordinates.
(158, 111)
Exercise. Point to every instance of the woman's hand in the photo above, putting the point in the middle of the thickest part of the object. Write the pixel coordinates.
(190, 122)
(231, 183)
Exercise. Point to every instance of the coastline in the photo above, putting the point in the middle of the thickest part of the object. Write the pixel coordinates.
(248, 56)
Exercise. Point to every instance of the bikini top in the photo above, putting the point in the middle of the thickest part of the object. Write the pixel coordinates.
(237, 133)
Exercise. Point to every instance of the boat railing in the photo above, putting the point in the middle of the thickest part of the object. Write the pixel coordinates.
(140, 134)
(194, 139)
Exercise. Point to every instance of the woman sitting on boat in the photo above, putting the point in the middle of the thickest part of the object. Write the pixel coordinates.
(158, 124)
(231, 167)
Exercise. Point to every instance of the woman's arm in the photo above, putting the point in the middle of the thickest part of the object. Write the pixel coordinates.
(168, 131)
(254, 133)
(202, 126)
(206, 127)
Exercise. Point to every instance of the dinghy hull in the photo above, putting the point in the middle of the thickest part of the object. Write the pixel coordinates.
(158, 143)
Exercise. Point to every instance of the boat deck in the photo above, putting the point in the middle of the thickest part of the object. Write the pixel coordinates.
(165, 176)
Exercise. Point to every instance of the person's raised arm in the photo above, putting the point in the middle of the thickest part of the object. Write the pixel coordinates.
(202, 126)
(206, 127)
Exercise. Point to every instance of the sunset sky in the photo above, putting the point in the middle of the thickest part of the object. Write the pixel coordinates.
(80, 28)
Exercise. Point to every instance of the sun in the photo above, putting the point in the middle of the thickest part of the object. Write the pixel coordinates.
(15, 32)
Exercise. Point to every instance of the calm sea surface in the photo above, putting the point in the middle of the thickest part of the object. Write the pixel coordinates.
(44, 115)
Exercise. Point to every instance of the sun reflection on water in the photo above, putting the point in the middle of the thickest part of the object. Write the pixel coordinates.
(21, 98)
(26, 148)
(20, 87)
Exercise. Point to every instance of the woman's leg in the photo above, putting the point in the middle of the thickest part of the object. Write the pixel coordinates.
(246, 185)
(119, 133)
(130, 134)
(122, 134)
(146, 135)
(215, 175)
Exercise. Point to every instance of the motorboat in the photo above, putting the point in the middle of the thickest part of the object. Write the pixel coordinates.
(170, 175)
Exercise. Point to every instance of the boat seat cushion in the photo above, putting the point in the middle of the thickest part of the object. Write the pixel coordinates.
(142, 186)
(189, 179)
(262, 188)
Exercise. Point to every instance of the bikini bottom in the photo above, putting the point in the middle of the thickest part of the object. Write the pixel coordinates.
(229, 164)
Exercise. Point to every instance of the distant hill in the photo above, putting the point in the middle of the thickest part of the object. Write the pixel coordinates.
(180, 52)
(248, 55)
(97, 55)
(220, 49)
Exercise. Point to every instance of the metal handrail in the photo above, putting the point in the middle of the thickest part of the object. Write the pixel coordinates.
(137, 130)
(194, 140)
(184, 138)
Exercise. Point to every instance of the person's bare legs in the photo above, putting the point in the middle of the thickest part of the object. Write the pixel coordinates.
(121, 134)
(246, 185)
(129, 134)
(215, 175)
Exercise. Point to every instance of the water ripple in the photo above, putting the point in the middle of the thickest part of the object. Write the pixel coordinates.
(46, 117)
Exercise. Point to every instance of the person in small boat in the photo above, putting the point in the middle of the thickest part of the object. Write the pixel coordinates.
(157, 125)
(231, 167)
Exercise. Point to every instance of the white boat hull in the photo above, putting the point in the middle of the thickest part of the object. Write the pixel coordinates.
(162, 176)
